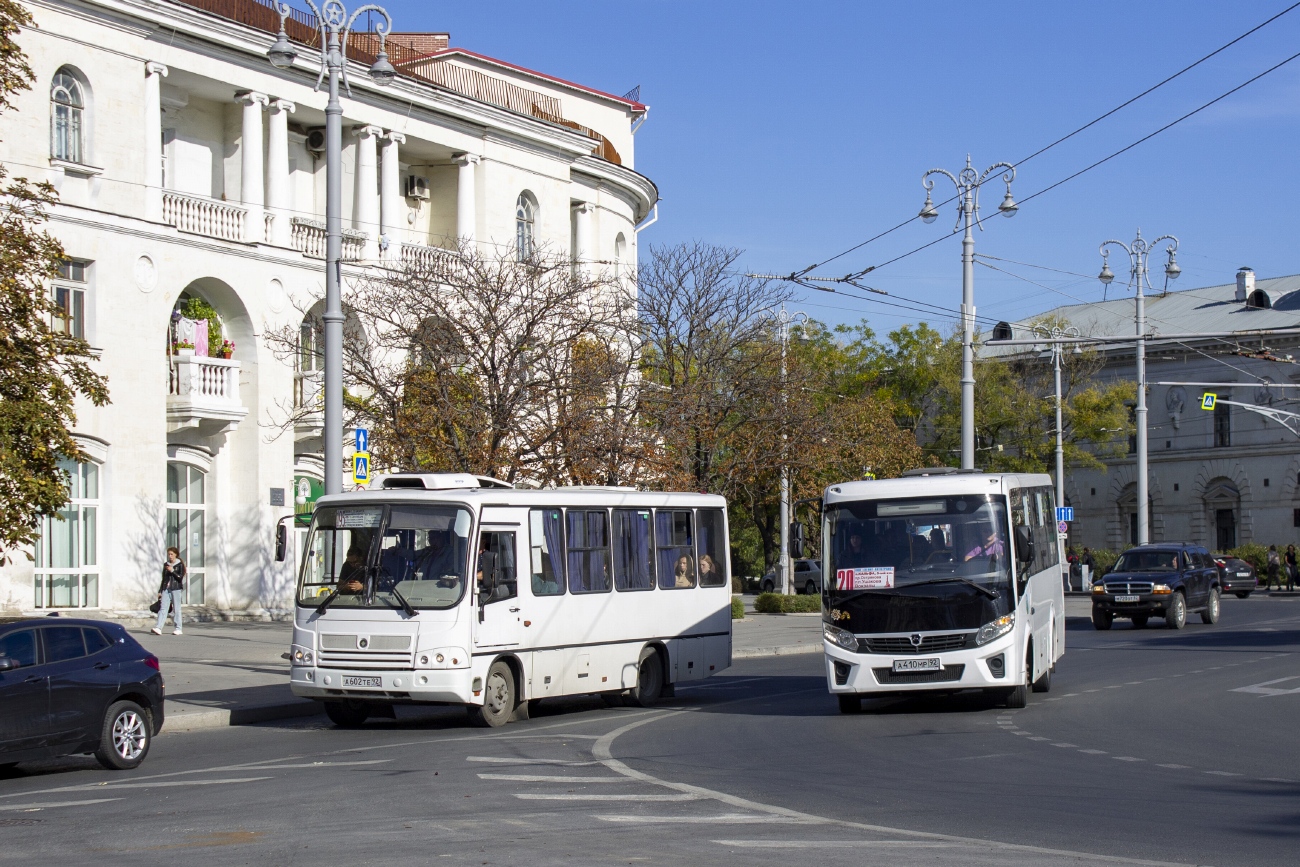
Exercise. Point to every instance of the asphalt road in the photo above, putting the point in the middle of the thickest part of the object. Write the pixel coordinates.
(1153, 746)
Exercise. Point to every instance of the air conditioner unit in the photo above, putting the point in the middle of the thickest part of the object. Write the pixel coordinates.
(417, 187)
(316, 140)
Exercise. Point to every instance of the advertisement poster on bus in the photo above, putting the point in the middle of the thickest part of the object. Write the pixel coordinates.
(870, 578)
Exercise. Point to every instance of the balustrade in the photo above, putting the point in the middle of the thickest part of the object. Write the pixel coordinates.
(199, 215)
(309, 239)
(203, 390)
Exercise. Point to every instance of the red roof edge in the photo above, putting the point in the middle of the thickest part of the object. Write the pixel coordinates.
(637, 107)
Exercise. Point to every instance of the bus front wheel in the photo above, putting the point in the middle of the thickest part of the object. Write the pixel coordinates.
(850, 703)
(498, 698)
(649, 679)
(348, 714)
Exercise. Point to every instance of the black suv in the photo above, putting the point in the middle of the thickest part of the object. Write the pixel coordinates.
(76, 686)
(1168, 580)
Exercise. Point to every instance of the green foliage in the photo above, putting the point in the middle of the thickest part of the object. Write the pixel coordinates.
(1256, 555)
(197, 309)
(1103, 561)
(42, 372)
(779, 603)
(737, 608)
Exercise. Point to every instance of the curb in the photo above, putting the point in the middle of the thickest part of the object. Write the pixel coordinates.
(779, 650)
(202, 718)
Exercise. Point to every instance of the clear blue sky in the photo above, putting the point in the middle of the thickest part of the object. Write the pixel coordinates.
(795, 130)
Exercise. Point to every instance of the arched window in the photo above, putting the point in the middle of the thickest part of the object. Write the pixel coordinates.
(1002, 331)
(620, 255)
(67, 118)
(525, 220)
(187, 525)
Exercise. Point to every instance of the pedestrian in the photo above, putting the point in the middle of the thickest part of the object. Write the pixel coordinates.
(1290, 567)
(171, 592)
(1273, 577)
(1085, 559)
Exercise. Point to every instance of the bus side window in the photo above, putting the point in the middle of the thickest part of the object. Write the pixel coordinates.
(713, 569)
(588, 552)
(633, 547)
(502, 546)
(675, 549)
(546, 551)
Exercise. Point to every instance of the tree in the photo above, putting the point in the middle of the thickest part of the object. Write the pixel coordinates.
(489, 365)
(43, 371)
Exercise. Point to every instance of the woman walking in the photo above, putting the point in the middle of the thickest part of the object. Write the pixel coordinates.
(171, 592)
(1273, 565)
(1290, 560)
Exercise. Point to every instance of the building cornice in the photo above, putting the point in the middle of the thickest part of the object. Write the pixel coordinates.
(603, 171)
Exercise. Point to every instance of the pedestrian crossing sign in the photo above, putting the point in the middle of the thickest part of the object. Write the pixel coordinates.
(1208, 399)
(361, 468)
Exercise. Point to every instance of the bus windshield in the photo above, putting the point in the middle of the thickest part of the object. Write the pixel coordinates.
(377, 556)
(919, 563)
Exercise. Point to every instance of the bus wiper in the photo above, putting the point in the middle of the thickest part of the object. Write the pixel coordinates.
(325, 603)
(992, 594)
(406, 606)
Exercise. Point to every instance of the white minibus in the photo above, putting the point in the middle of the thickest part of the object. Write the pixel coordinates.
(457, 589)
(942, 580)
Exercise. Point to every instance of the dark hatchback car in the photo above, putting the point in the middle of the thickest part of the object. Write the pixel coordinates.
(76, 686)
(1165, 580)
(1237, 576)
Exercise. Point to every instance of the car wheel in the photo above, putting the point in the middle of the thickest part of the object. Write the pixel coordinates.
(498, 698)
(649, 680)
(347, 714)
(1243, 595)
(1139, 621)
(125, 738)
(810, 589)
(1212, 607)
(850, 703)
(767, 587)
(1176, 616)
(1102, 619)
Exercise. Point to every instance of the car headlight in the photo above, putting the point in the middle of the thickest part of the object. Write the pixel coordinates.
(1099, 588)
(841, 637)
(1162, 588)
(998, 628)
(302, 656)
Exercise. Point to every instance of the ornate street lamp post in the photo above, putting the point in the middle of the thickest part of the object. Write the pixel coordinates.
(968, 187)
(335, 26)
(1053, 336)
(1138, 252)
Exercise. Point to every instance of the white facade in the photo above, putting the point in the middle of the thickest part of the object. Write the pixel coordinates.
(185, 168)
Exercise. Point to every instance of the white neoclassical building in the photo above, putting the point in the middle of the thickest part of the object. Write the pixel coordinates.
(191, 179)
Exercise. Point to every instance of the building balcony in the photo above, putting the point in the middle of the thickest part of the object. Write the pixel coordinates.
(309, 239)
(200, 215)
(434, 261)
(203, 393)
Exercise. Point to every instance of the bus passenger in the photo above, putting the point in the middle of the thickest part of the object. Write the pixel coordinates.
(682, 576)
(710, 572)
(352, 575)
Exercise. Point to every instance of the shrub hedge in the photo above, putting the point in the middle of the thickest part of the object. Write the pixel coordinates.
(779, 603)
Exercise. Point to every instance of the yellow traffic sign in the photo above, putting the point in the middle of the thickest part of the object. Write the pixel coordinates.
(361, 468)
(1208, 399)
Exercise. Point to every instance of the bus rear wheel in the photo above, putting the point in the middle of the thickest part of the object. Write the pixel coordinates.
(649, 680)
(498, 698)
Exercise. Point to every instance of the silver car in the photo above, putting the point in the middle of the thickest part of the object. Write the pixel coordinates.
(807, 578)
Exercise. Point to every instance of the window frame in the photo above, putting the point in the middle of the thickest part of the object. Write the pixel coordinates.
(614, 537)
(570, 549)
(188, 508)
(83, 571)
(690, 546)
(526, 211)
(562, 580)
(74, 138)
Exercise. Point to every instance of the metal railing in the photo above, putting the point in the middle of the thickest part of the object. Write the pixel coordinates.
(199, 215)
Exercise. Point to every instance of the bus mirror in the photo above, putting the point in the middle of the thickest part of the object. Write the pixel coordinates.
(1024, 544)
(487, 575)
(281, 542)
(797, 540)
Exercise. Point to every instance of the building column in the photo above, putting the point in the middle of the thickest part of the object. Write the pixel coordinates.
(251, 176)
(154, 73)
(279, 196)
(582, 244)
(365, 198)
(390, 196)
(466, 212)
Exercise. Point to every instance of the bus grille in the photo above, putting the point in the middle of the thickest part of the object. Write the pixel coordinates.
(385, 652)
(887, 676)
(903, 643)
(1129, 587)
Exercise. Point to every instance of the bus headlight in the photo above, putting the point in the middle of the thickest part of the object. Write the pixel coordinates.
(302, 656)
(998, 628)
(841, 637)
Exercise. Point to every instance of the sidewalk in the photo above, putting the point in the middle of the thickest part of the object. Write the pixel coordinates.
(234, 673)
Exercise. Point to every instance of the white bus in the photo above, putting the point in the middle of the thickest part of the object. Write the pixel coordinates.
(941, 580)
(456, 589)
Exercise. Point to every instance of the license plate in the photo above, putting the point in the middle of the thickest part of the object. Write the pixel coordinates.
(1128, 598)
(1243, 574)
(931, 664)
(371, 682)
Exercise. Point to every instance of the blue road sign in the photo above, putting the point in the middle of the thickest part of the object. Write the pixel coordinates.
(1208, 400)
(363, 440)
(361, 468)
(1065, 513)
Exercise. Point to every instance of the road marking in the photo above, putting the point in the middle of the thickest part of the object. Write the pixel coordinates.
(721, 683)
(1224, 774)
(726, 819)
(542, 778)
(1040, 738)
(574, 797)
(47, 805)
(503, 760)
(1266, 687)
(113, 787)
(1174, 767)
(1070, 746)
(318, 764)
(1127, 759)
(838, 844)
(1277, 780)
(1094, 752)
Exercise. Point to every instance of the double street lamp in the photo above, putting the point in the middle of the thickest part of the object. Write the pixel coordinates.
(968, 185)
(1138, 252)
(1054, 337)
(335, 26)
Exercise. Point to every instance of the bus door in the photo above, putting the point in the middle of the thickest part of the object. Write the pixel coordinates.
(499, 621)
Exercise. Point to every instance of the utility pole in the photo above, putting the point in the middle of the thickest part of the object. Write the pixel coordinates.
(1053, 336)
(784, 319)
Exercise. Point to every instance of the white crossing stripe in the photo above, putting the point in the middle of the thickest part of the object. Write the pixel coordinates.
(541, 778)
(46, 805)
(1267, 688)
(566, 796)
(838, 844)
(727, 819)
(504, 760)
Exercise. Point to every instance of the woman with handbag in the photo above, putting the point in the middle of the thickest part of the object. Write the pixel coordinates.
(171, 592)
